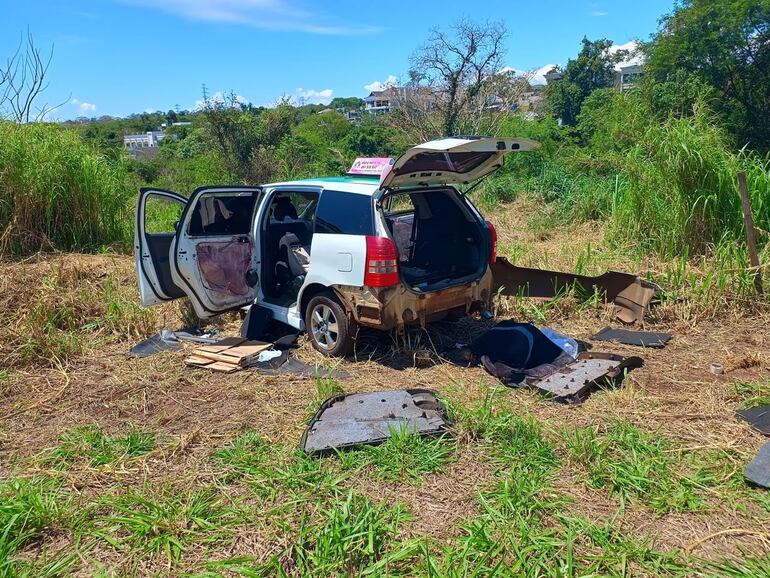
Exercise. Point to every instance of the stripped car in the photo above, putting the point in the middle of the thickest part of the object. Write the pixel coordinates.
(391, 243)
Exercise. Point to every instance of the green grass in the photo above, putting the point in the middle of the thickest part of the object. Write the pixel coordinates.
(166, 523)
(58, 193)
(30, 508)
(404, 457)
(753, 394)
(352, 535)
(89, 446)
(633, 464)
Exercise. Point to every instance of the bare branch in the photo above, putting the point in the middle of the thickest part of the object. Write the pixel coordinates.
(23, 80)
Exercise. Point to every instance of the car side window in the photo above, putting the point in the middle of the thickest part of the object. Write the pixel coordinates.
(217, 214)
(344, 214)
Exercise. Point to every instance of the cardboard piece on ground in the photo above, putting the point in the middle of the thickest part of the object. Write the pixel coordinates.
(237, 355)
(198, 361)
(227, 355)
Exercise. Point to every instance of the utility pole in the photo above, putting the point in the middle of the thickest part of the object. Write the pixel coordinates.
(205, 95)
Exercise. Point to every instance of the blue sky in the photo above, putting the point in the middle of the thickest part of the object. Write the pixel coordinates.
(116, 57)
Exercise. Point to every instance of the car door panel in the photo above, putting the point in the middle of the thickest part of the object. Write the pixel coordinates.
(151, 249)
(215, 256)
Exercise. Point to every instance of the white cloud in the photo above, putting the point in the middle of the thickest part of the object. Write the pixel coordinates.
(311, 96)
(83, 106)
(599, 13)
(265, 14)
(381, 85)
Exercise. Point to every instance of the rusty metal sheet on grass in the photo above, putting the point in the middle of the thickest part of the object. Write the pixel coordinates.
(628, 293)
(574, 380)
(346, 421)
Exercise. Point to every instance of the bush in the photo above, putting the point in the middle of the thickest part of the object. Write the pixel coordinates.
(57, 193)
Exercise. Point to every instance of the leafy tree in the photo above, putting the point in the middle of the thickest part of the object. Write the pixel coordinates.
(725, 43)
(346, 103)
(593, 68)
(371, 138)
(247, 138)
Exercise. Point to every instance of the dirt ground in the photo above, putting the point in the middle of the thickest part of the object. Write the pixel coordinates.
(194, 412)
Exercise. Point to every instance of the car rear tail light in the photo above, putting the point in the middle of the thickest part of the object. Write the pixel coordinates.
(381, 262)
(493, 242)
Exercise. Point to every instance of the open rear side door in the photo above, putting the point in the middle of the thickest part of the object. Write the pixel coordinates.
(215, 257)
(451, 161)
(157, 215)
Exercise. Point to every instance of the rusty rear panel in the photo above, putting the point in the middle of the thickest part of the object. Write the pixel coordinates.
(392, 307)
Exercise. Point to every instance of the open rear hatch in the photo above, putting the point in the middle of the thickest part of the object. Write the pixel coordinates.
(441, 239)
(451, 161)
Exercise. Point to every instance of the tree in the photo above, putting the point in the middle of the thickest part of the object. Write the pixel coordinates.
(726, 43)
(247, 138)
(455, 82)
(593, 68)
(22, 82)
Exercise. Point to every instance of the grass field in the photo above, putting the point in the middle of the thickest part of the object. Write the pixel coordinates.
(111, 466)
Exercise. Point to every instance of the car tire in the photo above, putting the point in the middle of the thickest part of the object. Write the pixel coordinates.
(327, 326)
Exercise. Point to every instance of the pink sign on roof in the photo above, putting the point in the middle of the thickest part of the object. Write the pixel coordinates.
(370, 166)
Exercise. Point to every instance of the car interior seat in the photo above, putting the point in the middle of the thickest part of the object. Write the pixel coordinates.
(293, 263)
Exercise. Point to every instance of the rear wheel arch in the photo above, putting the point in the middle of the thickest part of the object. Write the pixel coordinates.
(311, 291)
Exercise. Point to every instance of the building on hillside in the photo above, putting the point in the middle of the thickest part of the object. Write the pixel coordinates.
(149, 139)
(383, 101)
(626, 75)
(631, 68)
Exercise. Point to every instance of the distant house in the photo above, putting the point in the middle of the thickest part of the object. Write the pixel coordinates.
(626, 75)
(383, 101)
(630, 70)
(149, 139)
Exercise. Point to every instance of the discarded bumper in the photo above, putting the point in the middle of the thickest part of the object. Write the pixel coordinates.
(629, 294)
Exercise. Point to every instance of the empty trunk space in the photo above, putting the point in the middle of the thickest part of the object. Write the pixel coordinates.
(440, 242)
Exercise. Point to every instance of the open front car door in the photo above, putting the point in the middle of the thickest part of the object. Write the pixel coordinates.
(157, 215)
(451, 161)
(215, 257)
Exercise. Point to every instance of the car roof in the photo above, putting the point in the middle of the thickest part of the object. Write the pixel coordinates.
(347, 184)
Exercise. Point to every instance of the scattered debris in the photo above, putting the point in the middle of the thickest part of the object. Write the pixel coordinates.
(519, 345)
(167, 340)
(758, 471)
(757, 417)
(286, 365)
(628, 293)
(207, 337)
(164, 340)
(522, 354)
(629, 337)
(717, 368)
(589, 370)
(227, 355)
(345, 421)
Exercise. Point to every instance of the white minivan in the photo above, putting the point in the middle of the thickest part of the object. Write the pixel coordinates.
(401, 247)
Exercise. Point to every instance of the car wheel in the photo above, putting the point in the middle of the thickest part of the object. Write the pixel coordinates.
(327, 325)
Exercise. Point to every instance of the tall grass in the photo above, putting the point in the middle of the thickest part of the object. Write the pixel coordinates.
(682, 188)
(58, 193)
